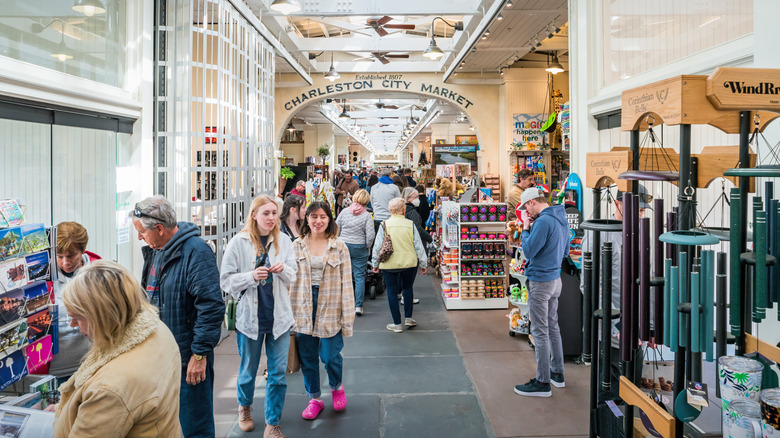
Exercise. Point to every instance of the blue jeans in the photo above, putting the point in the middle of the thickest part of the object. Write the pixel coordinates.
(400, 282)
(543, 311)
(328, 350)
(276, 351)
(196, 404)
(359, 256)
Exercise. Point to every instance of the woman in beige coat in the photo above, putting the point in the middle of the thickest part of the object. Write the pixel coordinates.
(128, 383)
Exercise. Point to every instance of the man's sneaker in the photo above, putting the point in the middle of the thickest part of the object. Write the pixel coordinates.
(395, 328)
(534, 388)
(359, 311)
(409, 322)
(414, 301)
(245, 422)
(556, 379)
(273, 432)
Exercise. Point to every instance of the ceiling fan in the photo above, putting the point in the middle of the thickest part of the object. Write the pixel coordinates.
(381, 105)
(382, 57)
(380, 25)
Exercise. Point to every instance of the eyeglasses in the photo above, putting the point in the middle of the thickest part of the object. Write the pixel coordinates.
(139, 214)
(645, 197)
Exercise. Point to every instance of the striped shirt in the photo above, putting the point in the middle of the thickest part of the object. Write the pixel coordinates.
(336, 300)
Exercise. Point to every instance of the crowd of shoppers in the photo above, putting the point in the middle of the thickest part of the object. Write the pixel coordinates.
(141, 354)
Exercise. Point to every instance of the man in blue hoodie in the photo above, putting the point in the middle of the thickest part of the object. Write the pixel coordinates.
(181, 278)
(544, 246)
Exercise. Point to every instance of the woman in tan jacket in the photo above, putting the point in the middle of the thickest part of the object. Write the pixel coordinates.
(128, 383)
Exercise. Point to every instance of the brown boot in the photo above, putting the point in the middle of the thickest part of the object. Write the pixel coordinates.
(245, 421)
(272, 432)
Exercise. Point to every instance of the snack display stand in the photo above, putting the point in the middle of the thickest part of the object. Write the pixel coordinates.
(473, 255)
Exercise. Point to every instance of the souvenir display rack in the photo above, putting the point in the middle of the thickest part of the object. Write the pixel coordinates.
(473, 255)
(550, 167)
(28, 339)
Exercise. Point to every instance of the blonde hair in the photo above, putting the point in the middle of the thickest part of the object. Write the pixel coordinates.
(71, 237)
(107, 295)
(361, 197)
(397, 206)
(251, 225)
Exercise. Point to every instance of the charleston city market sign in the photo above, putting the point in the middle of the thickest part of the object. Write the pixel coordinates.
(368, 82)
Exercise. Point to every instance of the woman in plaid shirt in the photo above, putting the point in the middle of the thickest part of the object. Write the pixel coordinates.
(323, 305)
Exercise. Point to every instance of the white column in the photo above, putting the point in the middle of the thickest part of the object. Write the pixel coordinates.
(766, 33)
(415, 154)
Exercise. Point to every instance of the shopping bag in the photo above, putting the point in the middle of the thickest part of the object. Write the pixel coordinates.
(293, 358)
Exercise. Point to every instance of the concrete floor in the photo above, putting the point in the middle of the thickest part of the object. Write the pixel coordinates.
(451, 376)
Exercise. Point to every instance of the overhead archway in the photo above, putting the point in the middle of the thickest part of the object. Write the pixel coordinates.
(479, 102)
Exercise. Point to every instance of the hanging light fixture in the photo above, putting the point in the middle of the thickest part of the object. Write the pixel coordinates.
(286, 6)
(499, 17)
(433, 52)
(63, 52)
(89, 7)
(555, 67)
(508, 4)
(290, 127)
(344, 114)
(332, 74)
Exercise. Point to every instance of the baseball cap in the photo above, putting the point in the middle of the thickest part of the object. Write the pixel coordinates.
(528, 194)
(644, 198)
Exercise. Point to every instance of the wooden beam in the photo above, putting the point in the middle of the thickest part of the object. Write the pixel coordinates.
(633, 396)
(752, 344)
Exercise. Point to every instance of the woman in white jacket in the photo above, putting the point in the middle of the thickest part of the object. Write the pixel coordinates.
(257, 268)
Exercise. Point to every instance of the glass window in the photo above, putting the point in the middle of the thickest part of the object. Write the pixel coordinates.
(84, 38)
(640, 36)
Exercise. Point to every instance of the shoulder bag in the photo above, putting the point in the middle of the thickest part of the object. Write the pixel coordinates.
(232, 303)
(386, 250)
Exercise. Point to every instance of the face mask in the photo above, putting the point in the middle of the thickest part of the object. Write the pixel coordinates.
(416, 202)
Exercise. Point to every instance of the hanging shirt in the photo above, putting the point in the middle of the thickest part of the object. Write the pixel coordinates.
(265, 297)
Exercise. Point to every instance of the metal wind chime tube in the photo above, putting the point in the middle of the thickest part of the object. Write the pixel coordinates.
(761, 279)
(721, 283)
(683, 297)
(644, 279)
(587, 296)
(671, 225)
(667, 340)
(606, 315)
(625, 279)
(695, 308)
(774, 239)
(674, 319)
(776, 212)
(708, 294)
(634, 274)
(735, 266)
(658, 270)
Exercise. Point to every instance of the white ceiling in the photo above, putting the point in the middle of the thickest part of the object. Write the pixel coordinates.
(336, 29)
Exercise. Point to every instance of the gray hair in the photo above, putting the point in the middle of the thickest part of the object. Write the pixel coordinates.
(386, 172)
(409, 192)
(155, 210)
(397, 206)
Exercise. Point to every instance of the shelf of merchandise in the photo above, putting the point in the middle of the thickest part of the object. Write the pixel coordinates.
(555, 170)
(452, 210)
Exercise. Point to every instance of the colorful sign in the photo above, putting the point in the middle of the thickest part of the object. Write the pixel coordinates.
(527, 130)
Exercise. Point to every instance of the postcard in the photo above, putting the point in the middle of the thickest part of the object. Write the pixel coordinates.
(34, 238)
(9, 208)
(10, 242)
(11, 306)
(36, 297)
(37, 266)
(39, 353)
(38, 325)
(13, 274)
(13, 337)
(3, 222)
(12, 368)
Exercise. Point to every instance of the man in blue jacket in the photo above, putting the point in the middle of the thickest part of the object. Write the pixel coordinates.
(181, 278)
(544, 246)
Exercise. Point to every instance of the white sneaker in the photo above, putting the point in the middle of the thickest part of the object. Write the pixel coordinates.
(359, 311)
(395, 328)
(414, 301)
(409, 322)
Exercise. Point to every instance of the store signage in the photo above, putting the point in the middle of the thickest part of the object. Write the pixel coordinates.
(378, 82)
(730, 88)
(607, 165)
(527, 129)
(456, 148)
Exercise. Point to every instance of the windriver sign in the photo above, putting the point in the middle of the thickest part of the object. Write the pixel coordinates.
(744, 89)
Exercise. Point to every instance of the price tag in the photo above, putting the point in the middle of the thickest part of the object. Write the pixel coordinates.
(697, 395)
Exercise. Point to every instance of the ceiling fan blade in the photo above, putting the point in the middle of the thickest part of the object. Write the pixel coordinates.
(383, 60)
(399, 26)
(390, 107)
(384, 20)
(396, 56)
(381, 31)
